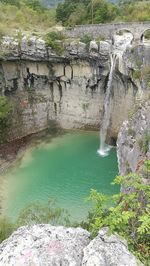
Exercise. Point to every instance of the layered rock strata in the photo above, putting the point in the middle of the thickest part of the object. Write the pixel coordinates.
(68, 90)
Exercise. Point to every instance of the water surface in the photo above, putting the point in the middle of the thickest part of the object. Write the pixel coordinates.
(64, 168)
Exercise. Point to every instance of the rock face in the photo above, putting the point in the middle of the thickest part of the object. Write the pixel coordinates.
(107, 250)
(45, 245)
(68, 90)
(133, 144)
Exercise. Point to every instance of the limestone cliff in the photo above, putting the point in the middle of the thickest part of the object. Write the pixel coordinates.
(69, 90)
(133, 144)
(45, 245)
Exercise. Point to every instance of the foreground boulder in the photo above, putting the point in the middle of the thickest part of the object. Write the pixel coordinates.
(45, 245)
(107, 250)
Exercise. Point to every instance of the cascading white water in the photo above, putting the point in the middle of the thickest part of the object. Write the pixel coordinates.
(121, 42)
(103, 151)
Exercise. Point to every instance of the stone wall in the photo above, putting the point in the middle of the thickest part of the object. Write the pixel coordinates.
(107, 30)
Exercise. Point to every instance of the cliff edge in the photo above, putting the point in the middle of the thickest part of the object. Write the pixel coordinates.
(44, 245)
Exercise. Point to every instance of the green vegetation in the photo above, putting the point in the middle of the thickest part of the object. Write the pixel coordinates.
(28, 16)
(137, 74)
(54, 40)
(85, 106)
(131, 131)
(134, 109)
(5, 109)
(35, 213)
(134, 10)
(146, 75)
(35, 16)
(81, 12)
(147, 34)
(128, 215)
(6, 228)
(86, 39)
(144, 142)
(76, 12)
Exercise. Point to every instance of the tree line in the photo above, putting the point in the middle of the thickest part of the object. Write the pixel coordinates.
(77, 12)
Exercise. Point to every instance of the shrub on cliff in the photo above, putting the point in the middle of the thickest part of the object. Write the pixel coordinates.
(35, 213)
(86, 39)
(6, 228)
(54, 40)
(129, 214)
(5, 109)
(47, 213)
(146, 75)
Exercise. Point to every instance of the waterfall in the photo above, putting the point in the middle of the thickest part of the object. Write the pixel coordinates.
(103, 150)
(121, 42)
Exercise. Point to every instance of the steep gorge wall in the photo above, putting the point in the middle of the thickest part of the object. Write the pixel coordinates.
(68, 90)
(133, 144)
(73, 99)
(60, 92)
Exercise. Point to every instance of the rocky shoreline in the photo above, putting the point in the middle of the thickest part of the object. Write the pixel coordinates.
(12, 152)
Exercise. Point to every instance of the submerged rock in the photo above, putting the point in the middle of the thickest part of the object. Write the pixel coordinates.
(46, 245)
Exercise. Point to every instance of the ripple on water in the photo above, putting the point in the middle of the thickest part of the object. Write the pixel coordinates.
(66, 168)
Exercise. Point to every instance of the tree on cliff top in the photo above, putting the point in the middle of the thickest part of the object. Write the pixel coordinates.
(80, 11)
(77, 12)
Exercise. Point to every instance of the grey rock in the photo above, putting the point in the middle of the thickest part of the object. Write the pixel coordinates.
(72, 48)
(107, 250)
(26, 48)
(75, 48)
(93, 46)
(81, 48)
(131, 136)
(105, 47)
(50, 87)
(33, 47)
(44, 245)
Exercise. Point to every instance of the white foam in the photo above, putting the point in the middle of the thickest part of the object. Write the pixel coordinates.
(104, 152)
(120, 45)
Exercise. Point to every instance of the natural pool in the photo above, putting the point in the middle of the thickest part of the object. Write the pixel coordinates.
(65, 168)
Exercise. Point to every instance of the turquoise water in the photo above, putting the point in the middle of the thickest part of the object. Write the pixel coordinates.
(65, 168)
